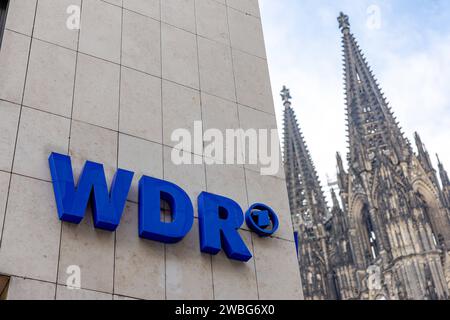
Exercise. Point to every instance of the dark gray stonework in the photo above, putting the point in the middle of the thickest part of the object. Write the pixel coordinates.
(390, 240)
(308, 207)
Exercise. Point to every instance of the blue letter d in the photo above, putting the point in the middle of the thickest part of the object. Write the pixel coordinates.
(151, 192)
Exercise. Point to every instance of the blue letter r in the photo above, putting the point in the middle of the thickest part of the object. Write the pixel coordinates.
(219, 221)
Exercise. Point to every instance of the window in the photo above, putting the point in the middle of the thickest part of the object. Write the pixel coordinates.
(335, 286)
(358, 78)
(370, 235)
(372, 238)
(3, 12)
(428, 213)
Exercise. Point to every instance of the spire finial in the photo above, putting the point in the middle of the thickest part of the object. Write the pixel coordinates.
(339, 161)
(417, 137)
(344, 22)
(419, 143)
(286, 95)
(443, 173)
(335, 199)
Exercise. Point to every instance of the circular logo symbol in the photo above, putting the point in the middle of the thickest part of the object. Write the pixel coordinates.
(262, 220)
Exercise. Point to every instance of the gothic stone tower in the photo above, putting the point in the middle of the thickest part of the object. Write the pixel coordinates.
(445, 184)
(445, 196)
(340, 252)
(396, 217)
(308, 208)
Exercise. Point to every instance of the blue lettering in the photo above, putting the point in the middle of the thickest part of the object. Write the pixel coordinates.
(219, 218)
(219, 221)
(151, 191)
(72, 201)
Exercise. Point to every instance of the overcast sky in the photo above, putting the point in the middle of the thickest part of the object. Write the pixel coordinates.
(407, 44)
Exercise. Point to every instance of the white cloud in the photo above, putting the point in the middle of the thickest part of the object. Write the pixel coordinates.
(418, 86)
(411, 61)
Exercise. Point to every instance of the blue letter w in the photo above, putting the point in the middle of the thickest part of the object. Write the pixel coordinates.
(72, 201)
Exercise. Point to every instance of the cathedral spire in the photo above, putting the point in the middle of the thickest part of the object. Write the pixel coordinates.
(443, 173)
(340, 164)
(423, 154)
(445, 180)
(309, 209)
(372, 128)
(286, 96)
(341, 174)
(344, 22)
(306, 197)
(336, 204)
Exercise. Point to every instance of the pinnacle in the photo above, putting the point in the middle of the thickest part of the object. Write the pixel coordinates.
(361, 85)
(303, 175)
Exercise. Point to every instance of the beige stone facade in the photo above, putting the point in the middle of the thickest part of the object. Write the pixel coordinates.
(112, 92)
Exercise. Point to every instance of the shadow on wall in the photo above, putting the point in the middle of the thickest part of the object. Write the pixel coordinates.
(4, 282)
(3, 12)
